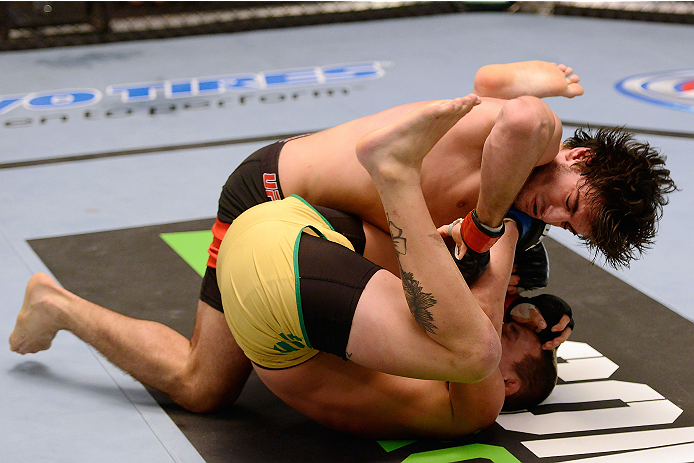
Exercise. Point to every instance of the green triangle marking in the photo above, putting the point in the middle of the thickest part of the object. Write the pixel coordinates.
(191, 246)
(494, 453)
(390, 445)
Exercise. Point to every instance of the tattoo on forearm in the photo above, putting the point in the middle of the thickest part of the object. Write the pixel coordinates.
(399, 241)
(419, 302)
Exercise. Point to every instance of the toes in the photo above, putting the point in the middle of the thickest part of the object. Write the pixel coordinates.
(14, 343)
(575, 90)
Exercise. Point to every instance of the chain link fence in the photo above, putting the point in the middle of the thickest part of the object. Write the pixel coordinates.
(667, 12)
(29, 25)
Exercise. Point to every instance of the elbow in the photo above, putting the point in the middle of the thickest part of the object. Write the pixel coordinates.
(483, 359)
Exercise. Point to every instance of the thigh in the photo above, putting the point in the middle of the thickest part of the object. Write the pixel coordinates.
(386, 336)
(353, 308)
(331, 280)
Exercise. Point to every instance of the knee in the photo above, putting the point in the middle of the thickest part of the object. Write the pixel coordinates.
(484, 358)
(197, 399)
(490, 358)
(527, 117)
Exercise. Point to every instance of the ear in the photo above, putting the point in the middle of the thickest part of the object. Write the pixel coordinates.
(511, 385)
(577, 154)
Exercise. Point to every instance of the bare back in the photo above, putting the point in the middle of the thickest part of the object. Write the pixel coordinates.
(323, 168)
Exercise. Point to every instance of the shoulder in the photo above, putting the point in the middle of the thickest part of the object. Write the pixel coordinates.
(477, 406)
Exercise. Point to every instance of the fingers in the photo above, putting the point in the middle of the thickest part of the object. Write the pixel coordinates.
(556, 342)
(565, 333)
(447, 230)
(537, 318)
(562, 324)
(529, 315)
(443, 231)
(453, 230)
(513, 285)
(461, 248)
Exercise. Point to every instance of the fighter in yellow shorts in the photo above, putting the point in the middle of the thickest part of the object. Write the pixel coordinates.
(267, 260)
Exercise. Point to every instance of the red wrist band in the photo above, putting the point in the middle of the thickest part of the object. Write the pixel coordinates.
(475, 236)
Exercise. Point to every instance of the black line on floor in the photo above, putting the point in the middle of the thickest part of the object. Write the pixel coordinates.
(239, 141)
(155, 149)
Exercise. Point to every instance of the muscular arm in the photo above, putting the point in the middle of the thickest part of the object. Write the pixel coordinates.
(526, 134)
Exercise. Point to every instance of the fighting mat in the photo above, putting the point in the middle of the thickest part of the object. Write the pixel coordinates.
(624, 392)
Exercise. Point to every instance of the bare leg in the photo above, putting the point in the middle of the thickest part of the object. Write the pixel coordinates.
(466, 346)
(201, 375)
(533, 78)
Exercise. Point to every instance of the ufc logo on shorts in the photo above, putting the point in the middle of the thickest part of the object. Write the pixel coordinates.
(271, 190)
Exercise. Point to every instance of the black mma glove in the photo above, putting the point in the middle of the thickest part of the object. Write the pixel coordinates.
(472, 265)
(532, 267)
(478, 239)
(530, 230)
(552, 309)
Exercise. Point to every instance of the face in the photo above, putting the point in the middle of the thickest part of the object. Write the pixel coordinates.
(517, 341)
(554, 195)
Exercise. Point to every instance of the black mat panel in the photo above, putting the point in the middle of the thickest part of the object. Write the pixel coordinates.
(134, 272)
(650, 343)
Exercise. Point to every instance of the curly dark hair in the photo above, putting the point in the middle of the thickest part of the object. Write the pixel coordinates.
(538, 376)
(626, 181)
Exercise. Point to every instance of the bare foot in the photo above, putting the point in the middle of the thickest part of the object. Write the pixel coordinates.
(404, 143)
(38, 320)
(534, 78)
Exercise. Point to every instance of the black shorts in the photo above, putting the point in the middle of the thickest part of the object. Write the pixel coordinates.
(332, 281)
(329, 292)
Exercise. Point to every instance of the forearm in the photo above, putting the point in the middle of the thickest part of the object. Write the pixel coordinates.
(524, 136)
(490, 289)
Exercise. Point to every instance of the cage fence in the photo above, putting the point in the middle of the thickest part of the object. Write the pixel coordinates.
(45, 24)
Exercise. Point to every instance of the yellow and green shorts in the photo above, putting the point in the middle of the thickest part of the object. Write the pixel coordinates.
(289, 283)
